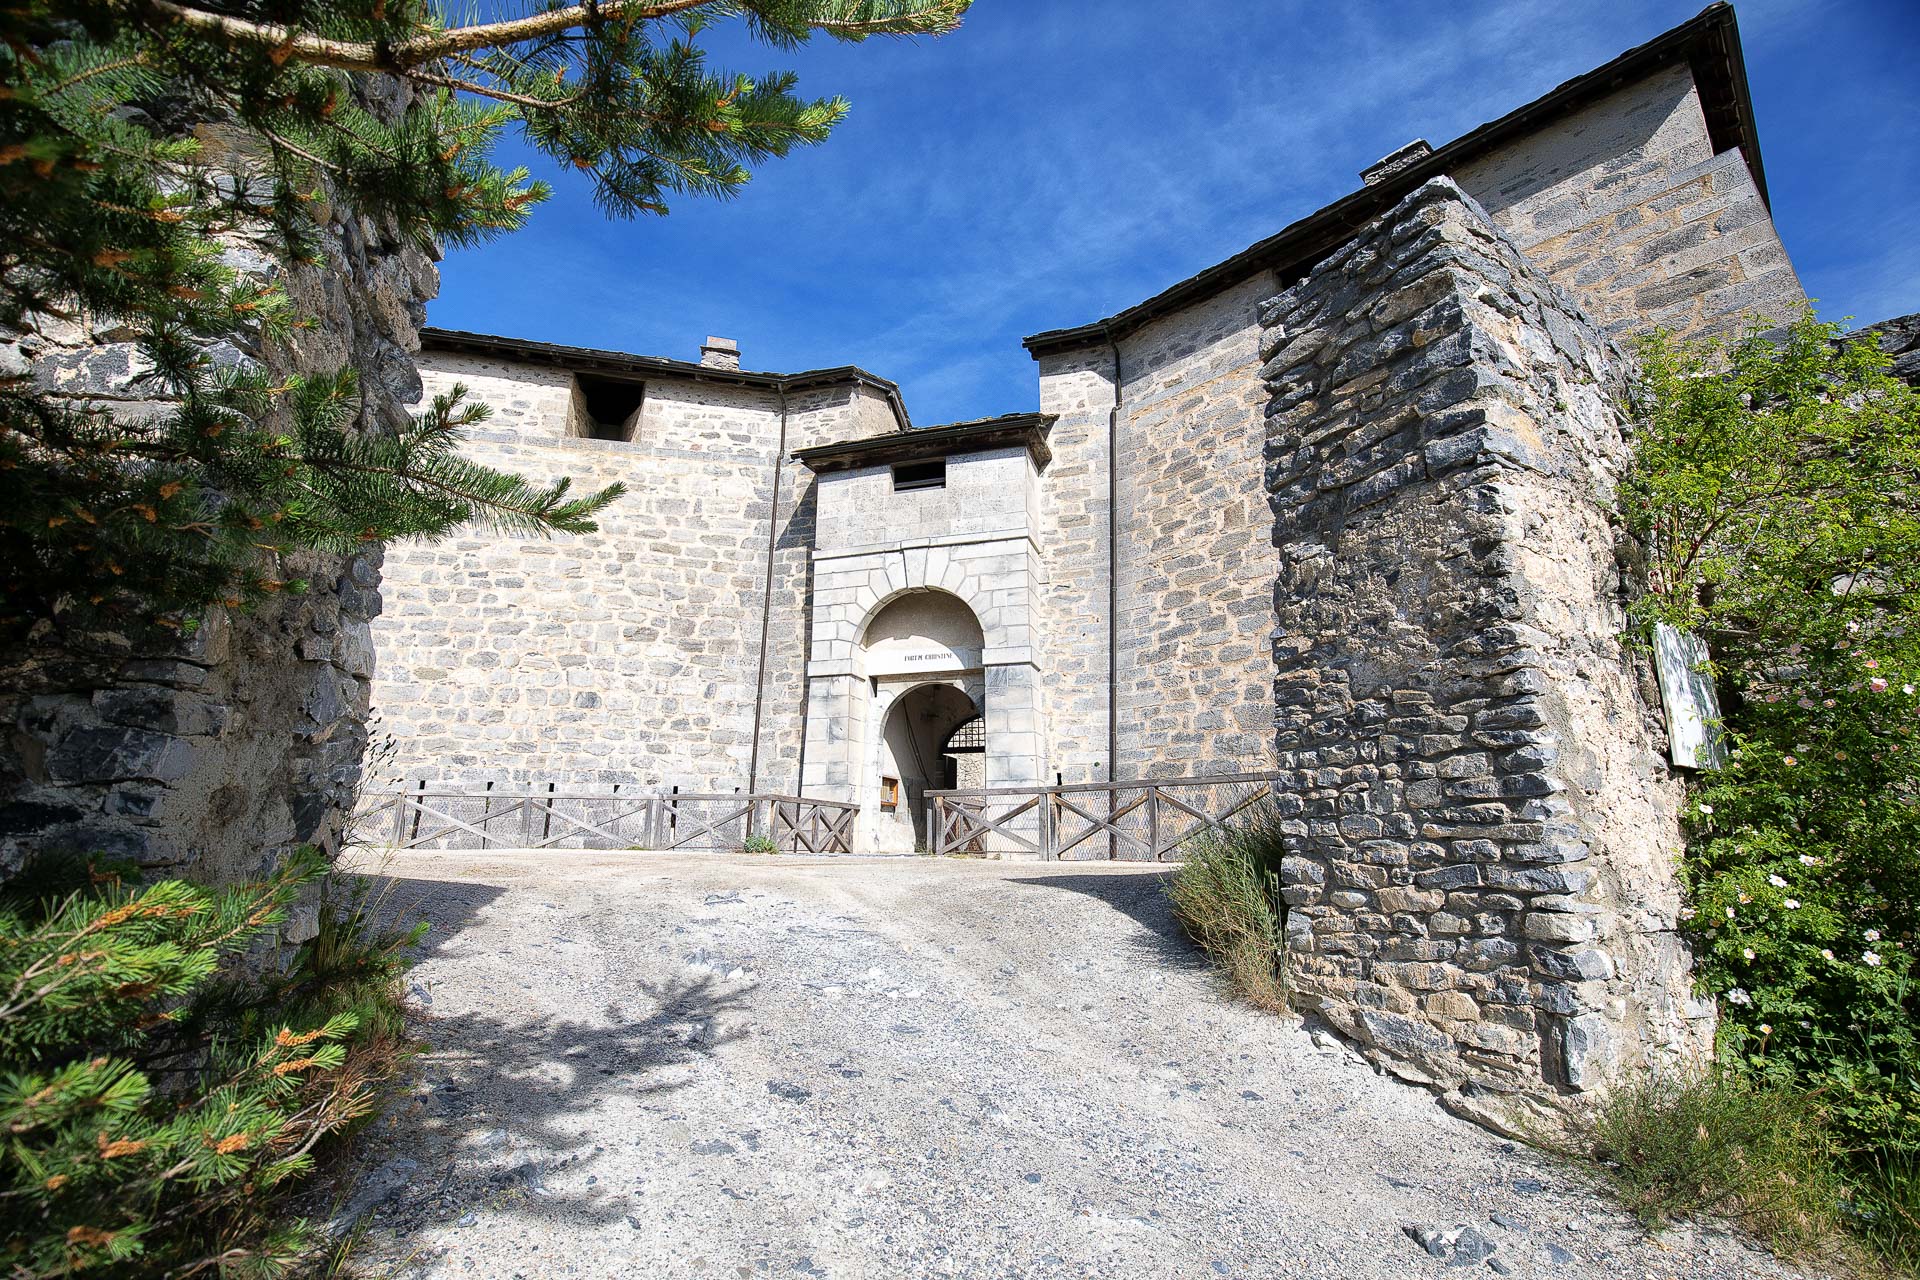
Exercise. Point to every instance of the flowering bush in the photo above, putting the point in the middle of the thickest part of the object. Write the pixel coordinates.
(1802, 869)
(1777, 495)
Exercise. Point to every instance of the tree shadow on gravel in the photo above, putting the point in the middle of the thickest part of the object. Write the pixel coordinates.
(500, 1117)
(1141, 896)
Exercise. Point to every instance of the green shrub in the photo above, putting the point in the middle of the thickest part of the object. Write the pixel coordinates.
(160, 1097)
(1776, 492)
(1226, 895)
(759, 844)
(1724, 1145)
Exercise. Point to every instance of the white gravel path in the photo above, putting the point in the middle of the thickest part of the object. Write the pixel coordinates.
(722, 1066)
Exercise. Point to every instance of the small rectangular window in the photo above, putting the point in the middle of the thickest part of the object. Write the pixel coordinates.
(919, 475)
(610, 407)
(889, 794)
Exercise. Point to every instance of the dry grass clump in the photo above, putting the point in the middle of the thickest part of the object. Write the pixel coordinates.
(1226, 895)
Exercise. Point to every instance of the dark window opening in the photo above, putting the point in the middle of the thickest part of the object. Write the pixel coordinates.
(971, 736)
(919, 475)
(612, 406)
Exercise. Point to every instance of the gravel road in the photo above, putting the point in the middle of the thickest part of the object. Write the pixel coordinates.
(722, 1066)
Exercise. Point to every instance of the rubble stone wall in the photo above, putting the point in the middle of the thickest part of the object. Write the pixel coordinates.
(214, 758)
(1484, 832)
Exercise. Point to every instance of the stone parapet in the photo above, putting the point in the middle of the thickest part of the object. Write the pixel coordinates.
(1483, 831)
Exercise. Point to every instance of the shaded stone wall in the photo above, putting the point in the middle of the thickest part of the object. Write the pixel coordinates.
(214, 758)
(1627, 207)
(1071, 629)
(1484, 831)
(1194, 576)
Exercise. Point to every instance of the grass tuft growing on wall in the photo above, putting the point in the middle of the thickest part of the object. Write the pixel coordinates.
(1226, 895)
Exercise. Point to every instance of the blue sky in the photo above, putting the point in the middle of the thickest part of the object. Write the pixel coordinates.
(1057, 160)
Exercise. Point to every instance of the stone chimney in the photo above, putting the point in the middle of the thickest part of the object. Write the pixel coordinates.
(720, 353)
(1385, 167)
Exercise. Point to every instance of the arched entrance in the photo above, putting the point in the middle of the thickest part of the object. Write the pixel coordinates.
(922, 657)
(915, 757)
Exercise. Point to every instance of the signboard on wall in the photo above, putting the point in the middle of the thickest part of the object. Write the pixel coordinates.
(908, 656)
(1695, 739)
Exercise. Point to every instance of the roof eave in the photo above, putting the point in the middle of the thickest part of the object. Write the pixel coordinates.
(1709, 42)
(1028, 430)
(529, 351)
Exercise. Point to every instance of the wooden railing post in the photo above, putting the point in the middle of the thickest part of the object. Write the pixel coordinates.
(415, 832)
(400, 816)
(1153, 823)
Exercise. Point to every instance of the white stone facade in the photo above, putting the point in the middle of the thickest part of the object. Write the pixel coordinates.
(717, 634)
(972, 540)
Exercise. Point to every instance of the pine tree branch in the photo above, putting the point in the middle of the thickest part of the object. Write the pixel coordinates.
(932, 17)
(498, 95)
(358, 55)
(81, 77)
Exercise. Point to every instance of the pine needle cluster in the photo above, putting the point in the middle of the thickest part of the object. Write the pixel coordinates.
(156, 1101)
(148, 146)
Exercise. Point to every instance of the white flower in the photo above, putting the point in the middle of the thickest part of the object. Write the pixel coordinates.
(1906, 689)
(1737, 996)
(1825, 954)
(1747, 952)
(1793, 904)
(1808, 860)
(1729, 913)
(1871, 959)
(1686, 913)
(1765, 1029)
(1873, 935)
(1776, 882)
(1707, 809)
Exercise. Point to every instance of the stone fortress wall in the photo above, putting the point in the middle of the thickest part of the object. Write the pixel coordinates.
(1483, 829)
(1628, 206)
(1338, 508)
(634, 656)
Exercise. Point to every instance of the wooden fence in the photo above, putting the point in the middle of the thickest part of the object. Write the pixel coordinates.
(424, 815)
(1145, 820)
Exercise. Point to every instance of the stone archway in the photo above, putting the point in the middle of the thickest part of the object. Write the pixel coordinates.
(886, 621)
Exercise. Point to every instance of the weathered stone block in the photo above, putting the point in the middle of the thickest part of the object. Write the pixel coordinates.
(117, 753)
